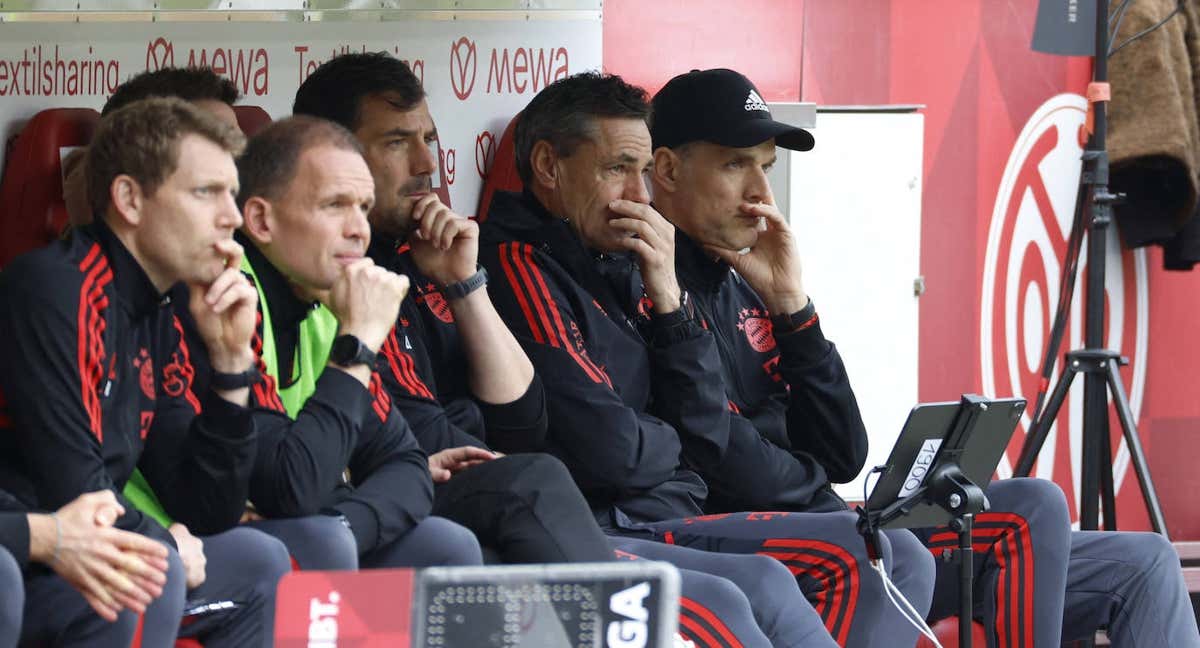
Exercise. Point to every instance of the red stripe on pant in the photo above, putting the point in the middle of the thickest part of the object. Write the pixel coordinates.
(834, 567)
(700, 625)
(1006, 536)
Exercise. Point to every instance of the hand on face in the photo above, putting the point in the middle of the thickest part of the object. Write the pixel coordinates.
(652, 238)
(366, 301)
(225, 311)
(111, 568)
(772, 266)
(445, 246)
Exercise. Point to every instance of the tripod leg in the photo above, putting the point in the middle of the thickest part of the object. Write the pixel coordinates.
(1107, 495)
(1136, 455)
(1041, 427)
(1095, 417)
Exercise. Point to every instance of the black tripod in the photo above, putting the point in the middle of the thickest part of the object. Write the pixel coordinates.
(1098, 365)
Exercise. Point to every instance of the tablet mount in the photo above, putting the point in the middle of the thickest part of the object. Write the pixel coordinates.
(947, 487)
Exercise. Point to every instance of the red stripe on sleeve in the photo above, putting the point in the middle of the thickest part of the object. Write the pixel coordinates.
(593, 372)
(90, 332)
(507, 264)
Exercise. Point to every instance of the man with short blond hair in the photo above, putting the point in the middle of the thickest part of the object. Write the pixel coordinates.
(95, 376)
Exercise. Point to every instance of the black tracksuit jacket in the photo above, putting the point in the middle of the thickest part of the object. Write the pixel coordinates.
(342, 426)
(14, 529)
(790, 399)
(425, 369)
(96, 379)
(606, 364)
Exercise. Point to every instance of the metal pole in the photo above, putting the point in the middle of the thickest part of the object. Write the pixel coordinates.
(966, 575)
(1095, 392)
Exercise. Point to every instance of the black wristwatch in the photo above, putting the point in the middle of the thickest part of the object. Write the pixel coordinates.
(348, 351)
(460, 289)
(230, 381)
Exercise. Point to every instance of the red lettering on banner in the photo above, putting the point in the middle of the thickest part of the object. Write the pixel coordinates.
(249, 69)
(520, 69)
(447, 159)
(529, 69)
(463, 64)
(160, 53)
(309, 64)
(38, 73)
(485, 153)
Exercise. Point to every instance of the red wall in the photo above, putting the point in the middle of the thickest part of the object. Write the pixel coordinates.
(969, 62)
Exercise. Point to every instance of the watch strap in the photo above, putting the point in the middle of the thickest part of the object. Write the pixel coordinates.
(797, 321)
(228, 381)
(361, 355)
(460, 289)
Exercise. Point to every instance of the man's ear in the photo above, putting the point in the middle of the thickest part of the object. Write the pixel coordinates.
(258, 220)
(667, 164)
(544, 161)
(126, 201)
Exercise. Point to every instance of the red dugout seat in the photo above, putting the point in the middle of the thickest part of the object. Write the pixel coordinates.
(503, 175)
(946, 631)
(32, 189)
(251, 119)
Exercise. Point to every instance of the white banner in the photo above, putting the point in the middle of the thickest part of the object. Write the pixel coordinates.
(477, 73)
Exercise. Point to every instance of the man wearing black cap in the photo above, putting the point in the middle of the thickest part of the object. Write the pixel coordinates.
(586, 280)
(714, 141)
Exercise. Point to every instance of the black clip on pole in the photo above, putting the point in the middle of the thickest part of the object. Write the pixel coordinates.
(950, 489)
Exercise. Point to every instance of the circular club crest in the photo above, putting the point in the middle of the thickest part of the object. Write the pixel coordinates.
(1026, 247)
(758, 333)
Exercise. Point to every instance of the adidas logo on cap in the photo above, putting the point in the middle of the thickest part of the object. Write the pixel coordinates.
(755, 102)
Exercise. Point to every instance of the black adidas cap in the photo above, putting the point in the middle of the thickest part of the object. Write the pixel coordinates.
(719, 106)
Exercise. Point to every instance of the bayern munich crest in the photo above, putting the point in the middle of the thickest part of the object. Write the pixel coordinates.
(1026, 248)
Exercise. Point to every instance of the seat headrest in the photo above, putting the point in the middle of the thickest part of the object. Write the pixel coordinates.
(251, 119)
(503, 175)
(32, 189)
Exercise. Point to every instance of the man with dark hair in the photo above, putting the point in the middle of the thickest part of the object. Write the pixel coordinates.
(460, 378)
(95, 376)
(737, 255)
(523, 506)
(325, 311)
(636, 400)
(97, 578)
(199, 86)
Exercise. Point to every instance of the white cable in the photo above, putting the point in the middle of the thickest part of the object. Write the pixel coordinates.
(914, 621)
(906, 610)
(910, 618)
(907, 604)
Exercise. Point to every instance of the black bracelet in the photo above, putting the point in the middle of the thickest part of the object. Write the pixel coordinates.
(460, 289)
(230, 381)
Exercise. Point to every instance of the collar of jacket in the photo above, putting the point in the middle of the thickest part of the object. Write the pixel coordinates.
(135, 292)
(697, 269)
(388, 252)
(287, 310)
(521, 217)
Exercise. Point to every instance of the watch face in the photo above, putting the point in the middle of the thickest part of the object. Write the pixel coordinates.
(344, 348)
